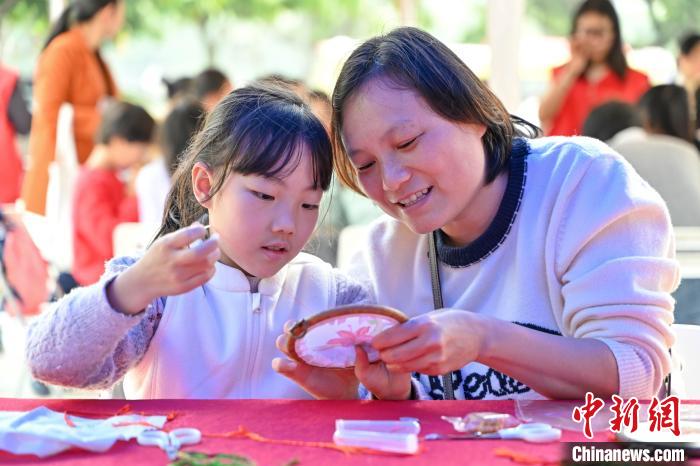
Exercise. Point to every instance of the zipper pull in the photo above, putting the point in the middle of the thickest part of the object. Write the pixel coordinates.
(256, 303)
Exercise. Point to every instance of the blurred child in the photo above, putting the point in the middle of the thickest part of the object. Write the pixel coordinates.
(101, 199)
(199, 319)
(210, 86)
(154, 180)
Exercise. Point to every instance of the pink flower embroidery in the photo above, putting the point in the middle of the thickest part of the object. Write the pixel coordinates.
(349, 338)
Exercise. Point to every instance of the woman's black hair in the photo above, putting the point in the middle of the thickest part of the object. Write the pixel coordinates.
(77, 11)
(410, 58)
(255, 130)
(177, 130)
(616, 57)
(666, 110)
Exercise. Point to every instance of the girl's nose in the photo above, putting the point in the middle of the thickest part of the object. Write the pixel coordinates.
(284, 222)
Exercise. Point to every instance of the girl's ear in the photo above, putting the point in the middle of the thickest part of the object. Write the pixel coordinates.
(202, 181)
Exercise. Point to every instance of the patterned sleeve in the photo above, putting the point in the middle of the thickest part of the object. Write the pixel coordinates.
(81, 341)
(350, 291)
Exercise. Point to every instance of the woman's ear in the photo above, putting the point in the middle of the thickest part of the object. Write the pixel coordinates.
(202, 181)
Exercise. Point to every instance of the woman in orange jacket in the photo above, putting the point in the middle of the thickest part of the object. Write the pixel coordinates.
(70, 70)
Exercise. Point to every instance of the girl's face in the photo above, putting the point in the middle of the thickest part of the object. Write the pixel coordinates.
(263, 223)
(420, 168)
(594, 36)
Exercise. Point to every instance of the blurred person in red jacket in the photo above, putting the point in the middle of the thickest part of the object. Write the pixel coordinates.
(14, 119)
(596, 73)
(102, 199)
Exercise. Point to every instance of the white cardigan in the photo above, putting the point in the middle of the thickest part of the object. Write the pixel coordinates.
(581, 246)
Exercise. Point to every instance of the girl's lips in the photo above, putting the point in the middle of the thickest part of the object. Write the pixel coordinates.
(274, 254)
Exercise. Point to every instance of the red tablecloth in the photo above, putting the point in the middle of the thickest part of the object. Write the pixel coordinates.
(290, 419)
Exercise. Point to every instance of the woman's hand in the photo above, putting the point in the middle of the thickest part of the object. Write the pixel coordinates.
(434, 343)
(580, 58)
(169, 267)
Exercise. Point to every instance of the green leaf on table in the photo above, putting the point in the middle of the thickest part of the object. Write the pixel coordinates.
(191, 458)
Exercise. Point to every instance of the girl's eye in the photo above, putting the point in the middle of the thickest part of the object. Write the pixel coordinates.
(263, 196)
(309, 206)
(407, 144)
(364, 167)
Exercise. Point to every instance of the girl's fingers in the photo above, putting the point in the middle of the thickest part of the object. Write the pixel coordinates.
(281, 342)
(196, 280)
(362, 364)
(202, 252)
(182, 238)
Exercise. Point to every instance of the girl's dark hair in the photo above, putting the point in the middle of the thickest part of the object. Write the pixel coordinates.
(207, 82)
(616, 57)
(77, 11)
(666, 110)
(255, 130)
(410, 58)
(127, 121)
(178, 128)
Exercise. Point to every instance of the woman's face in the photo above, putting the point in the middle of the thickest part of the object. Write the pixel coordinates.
(594, 36)
(116, 14)
(420, 168)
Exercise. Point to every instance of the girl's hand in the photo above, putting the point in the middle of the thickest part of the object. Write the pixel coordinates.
(321, 383)
(384, 383)
(169, 267)
(326, 383)
(434, 343)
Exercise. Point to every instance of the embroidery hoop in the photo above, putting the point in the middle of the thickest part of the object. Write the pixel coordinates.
(330, 318)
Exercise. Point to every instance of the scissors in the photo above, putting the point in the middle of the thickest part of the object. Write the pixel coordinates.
(534, 432)
(170, 442)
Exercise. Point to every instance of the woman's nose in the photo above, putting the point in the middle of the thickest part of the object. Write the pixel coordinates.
(394, 174)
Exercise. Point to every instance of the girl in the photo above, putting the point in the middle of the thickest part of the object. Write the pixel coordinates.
(70, 70)
(198, 319)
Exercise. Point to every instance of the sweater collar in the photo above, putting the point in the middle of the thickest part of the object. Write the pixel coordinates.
(229, 278)
(499, 228)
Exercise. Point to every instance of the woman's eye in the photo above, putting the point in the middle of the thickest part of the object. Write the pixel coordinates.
(309, 206)
(364, 167)
(263, 196)
(407, 144)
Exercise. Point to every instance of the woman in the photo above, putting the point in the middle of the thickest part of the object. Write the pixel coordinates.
(70, 70)
(596, 73)
(555, 259)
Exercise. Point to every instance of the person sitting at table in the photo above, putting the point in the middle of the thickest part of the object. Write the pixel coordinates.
(556, 260)
(193, 319)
